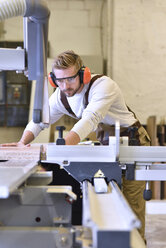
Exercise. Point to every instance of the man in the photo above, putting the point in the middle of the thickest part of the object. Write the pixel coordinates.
(97, 103)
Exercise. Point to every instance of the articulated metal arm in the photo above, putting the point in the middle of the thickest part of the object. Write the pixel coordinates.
(36, 16)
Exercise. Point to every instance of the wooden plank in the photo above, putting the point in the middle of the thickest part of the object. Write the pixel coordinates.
(152, 131)
(19, 153)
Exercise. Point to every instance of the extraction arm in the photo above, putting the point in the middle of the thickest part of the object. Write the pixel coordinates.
(33, 58)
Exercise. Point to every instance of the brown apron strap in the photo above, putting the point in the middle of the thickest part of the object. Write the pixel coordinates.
(137, 123)
(129, 109)
(66, 103)
(90, 84)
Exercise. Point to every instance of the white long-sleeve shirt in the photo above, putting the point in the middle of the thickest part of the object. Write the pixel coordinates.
(106, 105)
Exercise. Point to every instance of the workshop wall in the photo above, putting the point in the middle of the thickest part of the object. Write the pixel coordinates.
(73, 24)
(129, 34)
(139, 55)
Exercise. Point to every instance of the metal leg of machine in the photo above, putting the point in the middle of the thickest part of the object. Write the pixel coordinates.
(37, 216)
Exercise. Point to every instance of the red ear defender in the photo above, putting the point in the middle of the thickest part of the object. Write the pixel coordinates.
(85, 75)
(51, 79)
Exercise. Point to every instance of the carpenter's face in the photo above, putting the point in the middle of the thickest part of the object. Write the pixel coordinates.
(68, 81)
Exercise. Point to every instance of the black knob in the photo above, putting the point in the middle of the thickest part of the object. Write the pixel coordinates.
(60, 129)
(147, 194)
(60, 140)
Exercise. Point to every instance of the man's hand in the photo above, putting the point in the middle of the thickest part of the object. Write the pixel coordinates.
(72, 138)
(25, 140)
(14, 144)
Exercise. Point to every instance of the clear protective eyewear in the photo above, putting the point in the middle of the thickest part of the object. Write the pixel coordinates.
(69, 80)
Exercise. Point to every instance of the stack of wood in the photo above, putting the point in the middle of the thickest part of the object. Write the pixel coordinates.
(157, 135)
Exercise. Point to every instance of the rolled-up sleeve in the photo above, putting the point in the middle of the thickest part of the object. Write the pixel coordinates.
(56, 112)
(36, 128)
(84, 127)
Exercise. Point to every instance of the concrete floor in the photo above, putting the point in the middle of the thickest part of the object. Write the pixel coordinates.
(156, 230)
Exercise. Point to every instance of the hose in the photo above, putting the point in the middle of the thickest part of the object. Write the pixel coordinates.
(11, 8)
(36, 9)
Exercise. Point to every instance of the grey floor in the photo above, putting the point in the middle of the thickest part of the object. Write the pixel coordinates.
(156, 230)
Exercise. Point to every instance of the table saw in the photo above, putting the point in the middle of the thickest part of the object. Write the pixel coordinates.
(33, 211)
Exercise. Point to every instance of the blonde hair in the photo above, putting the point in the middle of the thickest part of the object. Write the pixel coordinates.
(67, 59)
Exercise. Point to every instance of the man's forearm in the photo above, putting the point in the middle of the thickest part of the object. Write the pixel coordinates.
(72, 138)
(27, 137)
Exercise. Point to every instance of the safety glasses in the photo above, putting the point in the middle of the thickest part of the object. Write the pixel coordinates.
(69, 80)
